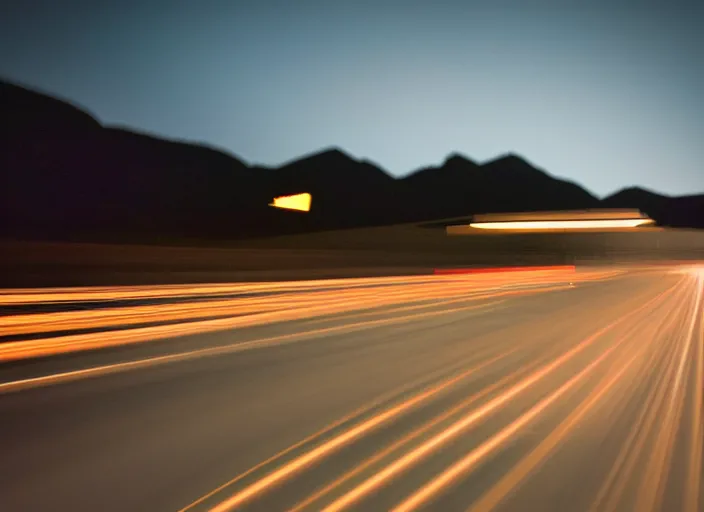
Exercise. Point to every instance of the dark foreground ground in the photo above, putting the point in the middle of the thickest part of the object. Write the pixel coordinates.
(542, 396)
(364, 252)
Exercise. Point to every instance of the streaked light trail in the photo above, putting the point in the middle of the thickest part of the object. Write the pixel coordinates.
(485, 392)
(562, 224)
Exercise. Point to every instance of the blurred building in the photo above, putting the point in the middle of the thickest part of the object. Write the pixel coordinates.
(562, 221)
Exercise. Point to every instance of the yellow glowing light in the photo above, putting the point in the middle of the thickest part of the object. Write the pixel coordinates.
(300, 202)
(564, 224)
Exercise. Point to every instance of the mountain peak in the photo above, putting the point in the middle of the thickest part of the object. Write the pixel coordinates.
(514, 165)
(329, 156)
(456, 158)
(510, 158)
(636, 191)
(333, 152)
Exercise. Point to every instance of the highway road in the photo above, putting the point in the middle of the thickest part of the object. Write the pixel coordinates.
(553, 390)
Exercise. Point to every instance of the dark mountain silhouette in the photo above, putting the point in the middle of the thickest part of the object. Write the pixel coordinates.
(64, 175)
(460, 186)
(682, 211)
(346, 192)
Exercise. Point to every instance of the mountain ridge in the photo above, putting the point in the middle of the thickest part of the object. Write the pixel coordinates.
(64, 174)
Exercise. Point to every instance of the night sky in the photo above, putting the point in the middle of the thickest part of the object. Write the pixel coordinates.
(608, 93)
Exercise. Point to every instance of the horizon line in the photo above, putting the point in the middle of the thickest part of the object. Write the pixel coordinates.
(328, 148)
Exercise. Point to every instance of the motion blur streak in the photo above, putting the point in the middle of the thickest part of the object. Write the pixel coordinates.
(502, 489)
(505, 434)
(652, 486)
(566, 268)
(407, 439)
(495, 442)
(120, 293)
(349, 417)
(115, 293)
(134, 315)
(414, 456)
(563, 224)
(56, 378)
(546, 390)
(633, 447)
(692, 491)
(346, 437)
(217, 315)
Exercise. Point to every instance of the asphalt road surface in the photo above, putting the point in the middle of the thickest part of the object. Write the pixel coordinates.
(557, 390)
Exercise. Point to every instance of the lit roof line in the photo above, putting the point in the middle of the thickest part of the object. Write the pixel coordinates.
(563, 224)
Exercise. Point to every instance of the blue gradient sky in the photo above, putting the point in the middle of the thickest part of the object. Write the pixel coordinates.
(607, 93)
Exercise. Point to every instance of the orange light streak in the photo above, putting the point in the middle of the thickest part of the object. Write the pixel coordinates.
(345, 438)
